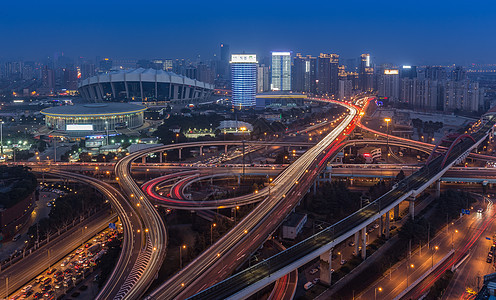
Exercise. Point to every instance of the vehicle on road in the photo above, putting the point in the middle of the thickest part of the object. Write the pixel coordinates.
(313, 271)
(308, 285)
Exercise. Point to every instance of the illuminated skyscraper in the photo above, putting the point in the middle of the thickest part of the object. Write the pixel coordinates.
(366, 73)
(244, 69)
(281, 71)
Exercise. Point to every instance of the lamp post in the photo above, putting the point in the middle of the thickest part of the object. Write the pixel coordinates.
(375, 292)
(432, 256)
(181, 256)
(407, 272)
(211, 232)
(387, 138)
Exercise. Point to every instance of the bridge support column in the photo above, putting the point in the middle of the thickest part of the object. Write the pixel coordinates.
(239, 179)
(225, 149)
(438, 188)
(396, 213)
(315, 188)
(143, 160)
(364, 242)
(325, 268)
(201, 151)
(161, 155)
(381, 226)
(387, 233)
(357, 242)
(180, 152)
(411, 207)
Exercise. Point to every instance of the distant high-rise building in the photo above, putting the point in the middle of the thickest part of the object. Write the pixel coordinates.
(48, 79)
(223, 66)
(281, 71)
(244, 69)
(366, 73)
(105, 65)
(87, 70)
(191, 72)
(304, 74)
(263, 79)
(389, 84)
(408, 72)
(458, 74)
(327, 74)
(205, 73)
(70, 79)
(435, 73)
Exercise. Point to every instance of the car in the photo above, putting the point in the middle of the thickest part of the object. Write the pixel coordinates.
(343, 261)
(48, 294)
(27, 294)
(313, 271)
(489, 259)
(26, 288)
(370, 229)
(46, 288)
(38, 295)
(308, 285)
(51, 271)
(351, 244)
(480, 210)
(376, 225)
(316, 280)
(39, 279)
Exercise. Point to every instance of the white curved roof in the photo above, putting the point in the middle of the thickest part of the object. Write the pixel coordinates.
(144, 75)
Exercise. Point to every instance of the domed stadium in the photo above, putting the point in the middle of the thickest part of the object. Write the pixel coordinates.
(149, 86)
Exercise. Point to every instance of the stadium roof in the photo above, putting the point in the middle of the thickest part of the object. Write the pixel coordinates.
(93, 109)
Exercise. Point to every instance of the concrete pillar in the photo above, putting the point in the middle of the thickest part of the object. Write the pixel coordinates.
(357, 242)
(201, 151)
(325, 268)
(143, 160)
(225, 149)
(438, 188)
(387, 235)
(161, 155)
(314, 188)
(180, 152)
(364, 242)
(396, 214)
(381, 226)
(239, 179)
(411, 208)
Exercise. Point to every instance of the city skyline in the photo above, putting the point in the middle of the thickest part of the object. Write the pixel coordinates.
(424, 33)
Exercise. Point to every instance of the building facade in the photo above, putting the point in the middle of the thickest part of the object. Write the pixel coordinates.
(327, 74)
(244, 68)
(304, 74)
(281, 71)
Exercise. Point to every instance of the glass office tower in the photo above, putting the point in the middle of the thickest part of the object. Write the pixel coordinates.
(281, 71)
(244, 80)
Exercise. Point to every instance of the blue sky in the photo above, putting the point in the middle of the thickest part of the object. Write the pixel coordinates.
(402, 32)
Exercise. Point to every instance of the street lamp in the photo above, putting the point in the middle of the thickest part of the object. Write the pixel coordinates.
(387, 120)
(181, 256)
(408, 271)
(211, 232)
(432, 256)
(375, 292)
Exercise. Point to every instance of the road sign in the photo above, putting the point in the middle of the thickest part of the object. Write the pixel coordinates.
(466, 211)
(488, 238)
(112, 226)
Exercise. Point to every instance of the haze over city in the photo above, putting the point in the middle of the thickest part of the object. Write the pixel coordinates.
(399, 32)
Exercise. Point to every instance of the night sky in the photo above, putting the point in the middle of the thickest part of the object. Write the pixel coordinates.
(401, 32)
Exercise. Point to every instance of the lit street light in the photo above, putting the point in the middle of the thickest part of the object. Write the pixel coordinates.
(375, 292)
(408, 271)
(211, 232)
(387, 120)
(181, 256)
(432, 256)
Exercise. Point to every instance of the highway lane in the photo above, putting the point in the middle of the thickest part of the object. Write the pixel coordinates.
(131, 225)
(308, 249)
(37, 262)
(231, 250)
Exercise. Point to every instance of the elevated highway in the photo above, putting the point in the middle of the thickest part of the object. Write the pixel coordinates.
(252, 279)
